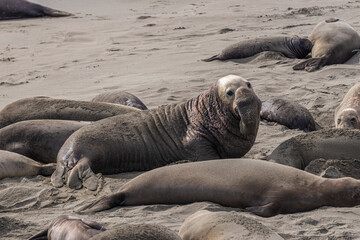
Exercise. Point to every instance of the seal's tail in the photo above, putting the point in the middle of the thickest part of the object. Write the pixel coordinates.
(215, 57)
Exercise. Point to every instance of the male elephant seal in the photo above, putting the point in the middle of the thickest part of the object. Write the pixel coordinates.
(52, 108)
(334, 41)
(206, 225)
(38, 139)
(16, 165)
(334, 143)
(120, 97)
(70, 228)
(263, 188)
(347, 114)
(291, 47)
(288, 113)
(12, 9)
(220, 123)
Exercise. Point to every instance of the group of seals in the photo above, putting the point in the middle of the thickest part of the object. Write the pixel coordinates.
(220, 123)
(263, 188)
(13, 9)
(347, 114)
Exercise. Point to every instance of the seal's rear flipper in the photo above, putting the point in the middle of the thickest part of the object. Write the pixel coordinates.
(267, 210)
(48, 169)
(216, 57)
(311, 64)
(55, 13)
(57, 178)
(103, 203)
(40, 236)
(82, 174)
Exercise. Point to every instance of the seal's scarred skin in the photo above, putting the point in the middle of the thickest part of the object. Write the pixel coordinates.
(347, 114)
(120, 97)
(263, 188)
(220, 123)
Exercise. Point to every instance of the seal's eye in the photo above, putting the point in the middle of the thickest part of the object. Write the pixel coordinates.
(339, 121)
(353, 120)
(230, 93)
(248, 85)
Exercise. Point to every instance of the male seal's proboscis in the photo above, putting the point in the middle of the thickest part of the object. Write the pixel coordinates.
(263, 188)
(220, 123)
(347, 114)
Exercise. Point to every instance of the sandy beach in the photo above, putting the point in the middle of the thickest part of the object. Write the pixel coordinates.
(153, 49)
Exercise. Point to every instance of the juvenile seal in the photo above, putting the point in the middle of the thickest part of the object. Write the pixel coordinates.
(120, 97)
(220, 123)
(38, 139)
(334, 41)
(12, 9)
(16, 165)
(70, 227)
(261, 187)
(291, 47)
(334, 143)
(222, 225)
(52, 108)
(288, 113)
(347, 114)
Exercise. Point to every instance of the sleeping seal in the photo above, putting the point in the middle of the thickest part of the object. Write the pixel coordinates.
(347, 114)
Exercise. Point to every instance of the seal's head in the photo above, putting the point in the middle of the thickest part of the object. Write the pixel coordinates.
(348, 118)
(300, 47)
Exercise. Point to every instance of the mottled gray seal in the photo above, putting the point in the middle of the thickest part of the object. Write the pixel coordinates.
(12, 9)
(38, 139)
(334, 143)
(120, 97)
(291, 47)
(334, 41)
(220, 123)
(222, 225)
(70, 228)
(16, 165)
(137, 232)
(52, 108)
(261, 187)
(347, 114)
(288, 113)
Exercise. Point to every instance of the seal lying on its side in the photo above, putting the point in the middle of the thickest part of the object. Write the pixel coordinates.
(120, 97)
(69, 228)
(16, 165)
(263, 188)
(52, 108)
(291, 47)
(332, 143)
(12, 9)
(347, 114)
(220, 123)
(38, 139)
(222, 225)
(289, 114)
(335, 41)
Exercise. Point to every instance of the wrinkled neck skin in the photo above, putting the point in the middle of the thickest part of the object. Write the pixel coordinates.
(232, 134)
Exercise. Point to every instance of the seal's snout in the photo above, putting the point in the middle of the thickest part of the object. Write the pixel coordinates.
(243, 96)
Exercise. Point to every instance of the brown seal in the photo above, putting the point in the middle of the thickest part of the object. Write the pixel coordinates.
(333, 143)
(289, 114)
(12, 9)
(16, 165)
(291, 47)
(70, 227)
(261, 187)
(120, 97)
(347, 114)
(52, 108)
(38, 139)
(220, 123)
(334, 41)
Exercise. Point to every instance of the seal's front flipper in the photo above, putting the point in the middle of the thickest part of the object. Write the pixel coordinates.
(267, 210)
(104, 203)
(82, 174)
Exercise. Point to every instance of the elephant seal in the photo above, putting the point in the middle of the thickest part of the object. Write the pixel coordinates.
(222, 225)
(291, 47)
(38, 139)
(16, 165)
(12, 9)
(334, 143)
(220, 123)
(347, 114)
(120, 97)
(263, 188)
(334, 41)
(137, 232)
(288, 113)
(70, 227)
(52, 108)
